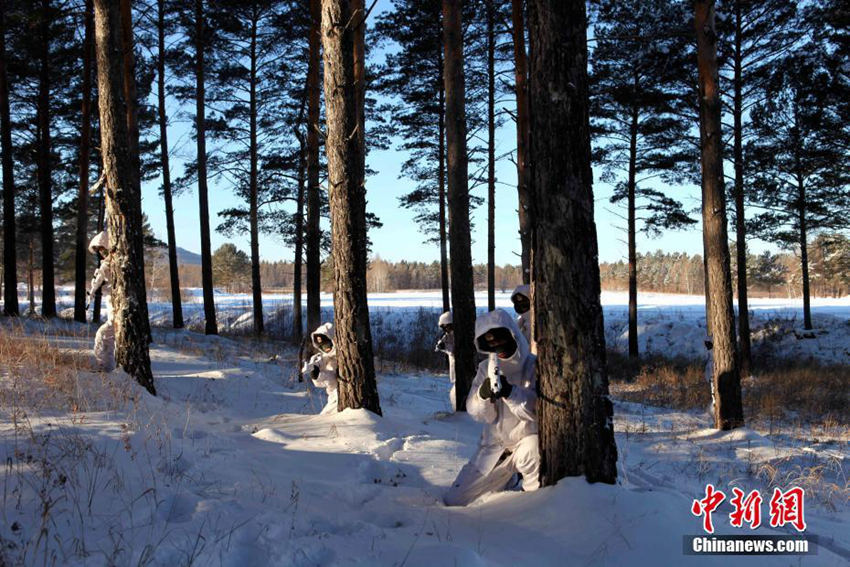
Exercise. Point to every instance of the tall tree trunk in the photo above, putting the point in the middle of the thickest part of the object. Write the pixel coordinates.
(31, 277)
(441, 187)
(45, 192)
(728, 412)
(632, 229)
(491, 158)
(575, 413)
(132, 112)
(297, 317)
(804, 253)
(130, 96)
(176, 301)
(10, 260)
(359, 23)
(744, 342)
(85, 152)
(314, 257)
(256, 286)
(523, 140)
(460, 248)
(210, 325)
(356, 369)
(124, 215)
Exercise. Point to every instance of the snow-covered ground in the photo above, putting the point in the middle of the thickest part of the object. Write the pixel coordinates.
(229, 465)
(668, 324)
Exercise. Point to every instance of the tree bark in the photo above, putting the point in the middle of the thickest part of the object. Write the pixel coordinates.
(132, 111)
(523, 140)
(632, 229)
(357, 385)
(210, 325)
(314, 267)
(297, 317)
(31, 277)
(491, 158)
(81, 236)
(256, 285)
(130, 96)
(740, 222)
(460, 249)
(176, 300)
(10, 260)
(441, 188)
(728, 412)
(45, 191)
(804, 253)
(124, 215)
(574, 410)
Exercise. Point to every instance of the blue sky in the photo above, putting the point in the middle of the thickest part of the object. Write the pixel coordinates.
(399, 238)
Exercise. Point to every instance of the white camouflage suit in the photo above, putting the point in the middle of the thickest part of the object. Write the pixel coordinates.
(325, 364)
(104, 339)
(509, 441)
(523, 320)
(447, 346)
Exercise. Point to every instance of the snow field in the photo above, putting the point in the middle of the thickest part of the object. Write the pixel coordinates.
(231, 466)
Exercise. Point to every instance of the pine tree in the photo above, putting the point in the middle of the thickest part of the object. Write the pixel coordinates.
(346, 172)
(522, 133)
(766, 270)
(81, 236)
(314, 197)
(123, 203)
(193, 57)
(45, 192)
(162, 30)
(230, 266)
(799, 155)
(639, 110)
(754, 34)
(414, 76)
(463, 299)
(249, 91)
(10, 261)
(575, 413)
(728, 411)
(413, 79)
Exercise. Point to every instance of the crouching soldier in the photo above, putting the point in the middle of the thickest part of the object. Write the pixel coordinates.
(321, 368)
(104, 339)
(521, 298)
(446, 345)
(503, 396)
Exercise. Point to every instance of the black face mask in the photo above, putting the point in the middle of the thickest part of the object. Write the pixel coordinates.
(325, 344)
(521, 304)
(500, 341)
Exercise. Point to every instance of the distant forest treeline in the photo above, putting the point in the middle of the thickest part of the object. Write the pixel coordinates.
(769, 274)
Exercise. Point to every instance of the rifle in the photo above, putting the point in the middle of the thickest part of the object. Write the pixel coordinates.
(494, 374)
(441, 343)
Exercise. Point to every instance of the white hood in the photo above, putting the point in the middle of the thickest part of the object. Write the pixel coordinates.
(326, 329)
(522, 289)
(100, 240)
(499, 318)
(445, 319)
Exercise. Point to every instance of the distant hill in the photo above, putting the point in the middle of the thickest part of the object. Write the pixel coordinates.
(188, 258)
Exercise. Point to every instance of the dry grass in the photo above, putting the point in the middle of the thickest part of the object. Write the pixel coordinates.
(657, 381)
(38, 375)
(804, 391)
(778, 391)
